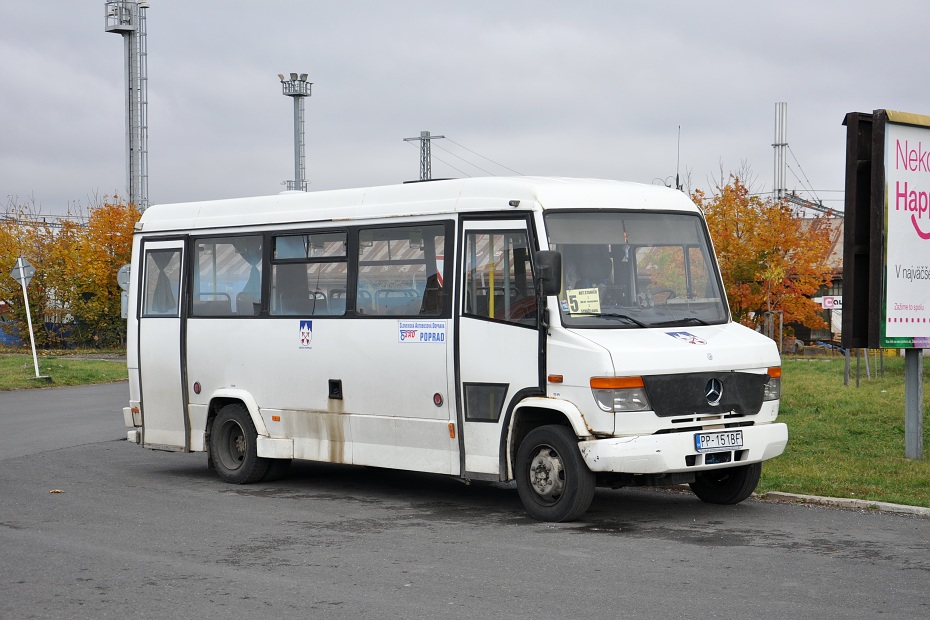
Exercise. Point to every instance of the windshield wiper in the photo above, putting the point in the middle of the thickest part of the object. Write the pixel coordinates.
(692, 320)
(611, 315)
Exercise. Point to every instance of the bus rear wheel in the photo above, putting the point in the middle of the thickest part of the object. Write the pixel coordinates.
(553, 481)
(727, 486)
(234, 446)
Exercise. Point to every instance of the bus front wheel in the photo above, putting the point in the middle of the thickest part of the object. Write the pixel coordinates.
(553, 481)
(727, 486)
(234, 446)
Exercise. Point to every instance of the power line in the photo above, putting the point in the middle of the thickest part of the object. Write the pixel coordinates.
(483, 157)
(465, 160)
(809, 187)
(462, 172)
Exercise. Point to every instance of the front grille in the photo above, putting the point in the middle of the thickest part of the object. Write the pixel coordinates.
(708, 423)
(685, 395)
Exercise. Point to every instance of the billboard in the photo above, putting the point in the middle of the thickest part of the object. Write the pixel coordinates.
(905, 321)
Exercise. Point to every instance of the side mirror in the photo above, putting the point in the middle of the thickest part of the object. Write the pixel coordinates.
(549, 264)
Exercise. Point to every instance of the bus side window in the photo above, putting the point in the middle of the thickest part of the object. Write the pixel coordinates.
(400, 271)
(309, 273)
(227, 276)
(162, 283)
(499, 277)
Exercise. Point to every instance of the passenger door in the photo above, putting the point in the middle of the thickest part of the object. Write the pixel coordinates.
(498, 341)
(160, 358)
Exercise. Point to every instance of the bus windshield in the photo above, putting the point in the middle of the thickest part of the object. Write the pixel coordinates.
(635, 269)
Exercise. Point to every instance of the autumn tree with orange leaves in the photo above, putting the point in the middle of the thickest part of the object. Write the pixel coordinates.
(74, 297)
(98, 250)
(770, 258)
(23, 233)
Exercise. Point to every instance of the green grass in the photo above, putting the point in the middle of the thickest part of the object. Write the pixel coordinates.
(845, 441)
(18, 371)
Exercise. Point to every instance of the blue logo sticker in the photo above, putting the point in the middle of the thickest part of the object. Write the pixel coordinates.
(306, 333)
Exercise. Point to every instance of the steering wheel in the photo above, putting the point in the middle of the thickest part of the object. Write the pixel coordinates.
(669, 293)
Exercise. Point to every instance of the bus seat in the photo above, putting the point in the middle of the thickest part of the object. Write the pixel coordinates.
(337, 301)
(363, 303)
(247, 305)
(215, 304)
(318, 303)
(432, 296)
(294, 302)
(396, 301)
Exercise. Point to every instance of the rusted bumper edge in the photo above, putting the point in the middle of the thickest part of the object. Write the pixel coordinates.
(658, 454)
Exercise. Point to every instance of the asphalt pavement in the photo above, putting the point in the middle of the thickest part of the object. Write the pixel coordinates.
(92, 526)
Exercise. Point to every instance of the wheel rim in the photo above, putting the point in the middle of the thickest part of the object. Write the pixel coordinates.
(232, 445)
(547, 475)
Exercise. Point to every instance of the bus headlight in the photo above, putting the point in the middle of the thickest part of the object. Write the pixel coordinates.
(773, 387)
(620, 393)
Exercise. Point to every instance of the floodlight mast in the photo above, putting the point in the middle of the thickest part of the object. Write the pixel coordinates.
(297, 87)
(780, 145)
(780, 185)
(127, 18)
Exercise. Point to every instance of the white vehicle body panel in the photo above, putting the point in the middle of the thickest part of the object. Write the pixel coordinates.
(401, 404)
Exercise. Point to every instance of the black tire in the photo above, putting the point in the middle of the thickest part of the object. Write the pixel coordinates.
(727, 486)
(234, 446)
(553, 480)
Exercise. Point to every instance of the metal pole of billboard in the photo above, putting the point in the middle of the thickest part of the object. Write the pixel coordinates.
(913, 403)
(858, 365)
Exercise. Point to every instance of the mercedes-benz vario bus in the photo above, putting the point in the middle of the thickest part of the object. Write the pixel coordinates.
(560, 333)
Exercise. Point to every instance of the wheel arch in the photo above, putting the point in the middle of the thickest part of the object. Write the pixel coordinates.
(537, 411)
(221, 398)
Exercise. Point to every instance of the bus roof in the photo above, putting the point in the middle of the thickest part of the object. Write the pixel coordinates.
(423, 198)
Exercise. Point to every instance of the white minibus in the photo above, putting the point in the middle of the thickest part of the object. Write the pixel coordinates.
(560, 333)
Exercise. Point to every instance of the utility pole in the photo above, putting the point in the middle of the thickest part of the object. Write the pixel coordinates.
(127, 18)
(426, 157)
(297, 88)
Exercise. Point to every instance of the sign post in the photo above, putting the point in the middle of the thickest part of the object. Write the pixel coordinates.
(22, 273)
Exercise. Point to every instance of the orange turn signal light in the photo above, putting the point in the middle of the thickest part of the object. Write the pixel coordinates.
(616, 383)
(775, 372)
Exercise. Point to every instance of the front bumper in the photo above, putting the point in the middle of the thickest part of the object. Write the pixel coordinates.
(674, 452)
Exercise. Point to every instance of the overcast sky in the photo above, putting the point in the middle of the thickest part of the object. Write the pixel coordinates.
(581, 88)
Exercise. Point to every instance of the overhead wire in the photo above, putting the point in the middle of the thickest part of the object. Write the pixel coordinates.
(808, 186)
(483, 157)
(463, 159)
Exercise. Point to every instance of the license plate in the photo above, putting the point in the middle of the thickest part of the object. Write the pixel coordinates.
(718, 442)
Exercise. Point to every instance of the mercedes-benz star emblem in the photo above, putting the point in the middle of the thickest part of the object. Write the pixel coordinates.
(713, 392)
